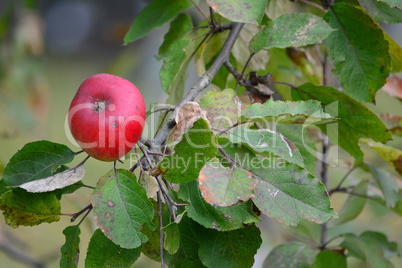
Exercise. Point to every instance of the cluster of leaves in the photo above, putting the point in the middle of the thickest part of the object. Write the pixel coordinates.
(233, 159)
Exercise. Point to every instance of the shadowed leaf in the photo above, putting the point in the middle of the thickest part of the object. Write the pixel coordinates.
(70, 251)
(329, 259)
(290, 255)
(104, 253)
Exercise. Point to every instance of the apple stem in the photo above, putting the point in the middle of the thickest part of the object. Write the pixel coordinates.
(99, 106)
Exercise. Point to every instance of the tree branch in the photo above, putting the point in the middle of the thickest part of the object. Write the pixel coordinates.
(200, 85)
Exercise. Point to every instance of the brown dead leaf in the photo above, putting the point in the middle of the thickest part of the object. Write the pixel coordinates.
(185, 118)
(393, 87)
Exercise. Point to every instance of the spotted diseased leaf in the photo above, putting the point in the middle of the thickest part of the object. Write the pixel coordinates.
(358, 50)
(198, 146)
(381, 12)
(121, 207)
(286, 112)
(154, 15)
(290, 255)
(230, 249)
(225, 186)
(356, 120)
(354, 204)
(250, 11)
(291, 30)
(70, 251)
(104, 253)
(266, 141)
(392, 155)
(209, 216)
(35, 161)
(367, 249)
(58, 181)
(22, 208)
(222, 107)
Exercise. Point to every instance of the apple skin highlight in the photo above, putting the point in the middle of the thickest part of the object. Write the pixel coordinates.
(107, 116)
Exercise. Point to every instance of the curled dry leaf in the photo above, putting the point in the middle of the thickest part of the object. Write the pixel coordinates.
(394, 87)
(185, 118)
(57, 181)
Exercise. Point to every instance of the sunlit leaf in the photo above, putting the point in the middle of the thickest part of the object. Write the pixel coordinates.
(250, 11)
(396, 53)
(219, 218)
(290, 255)
(121, 207)
(299, 136)
(227, 249)
(291, 30)
(222, 107)
(381, 11)
(358, 50)
(70, 251)
(354, 204)
(266, 141)
(35, 161)
(197, 146)
(329, 259)
(286, 112)
(224, 186)
(28, 209)
(356, 121)
(154, 15)
(104, 253)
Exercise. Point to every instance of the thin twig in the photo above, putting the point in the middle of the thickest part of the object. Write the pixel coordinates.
(202, 12)
(284, 83)
(160, 229)
(342, 180)
(228, 128)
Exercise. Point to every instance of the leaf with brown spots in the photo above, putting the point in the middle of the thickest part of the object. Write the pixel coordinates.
(121, 207)
(224, 186)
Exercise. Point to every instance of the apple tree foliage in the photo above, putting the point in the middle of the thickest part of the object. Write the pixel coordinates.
(242, 143)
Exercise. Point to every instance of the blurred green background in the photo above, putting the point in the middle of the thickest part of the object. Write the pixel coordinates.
(47, 49)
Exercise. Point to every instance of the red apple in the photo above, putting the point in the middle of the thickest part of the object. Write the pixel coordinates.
(107, 116)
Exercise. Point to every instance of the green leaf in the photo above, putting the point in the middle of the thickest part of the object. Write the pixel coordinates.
(28, 209)
(354, 204)
(198, 146)
(366, 249)
(250, 11)
(178, 28)
(358, 50)
(285, 191)
(187, 255)
(227, 249)
(356, 120)
(390, 154)
(104, 253)
(389, 249)
(291, 30)
(396, 54)
(286, 112)
(153, 16)
(329, 259)
(388, 186)
(35, 161)
(70, 251)
(290, 255)
(266, 141)
(219, 218)
(222, 107)
(171, 242)
(393, 3)
(299, 136)
(381, 11)
(223, 186)
(121, 207)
